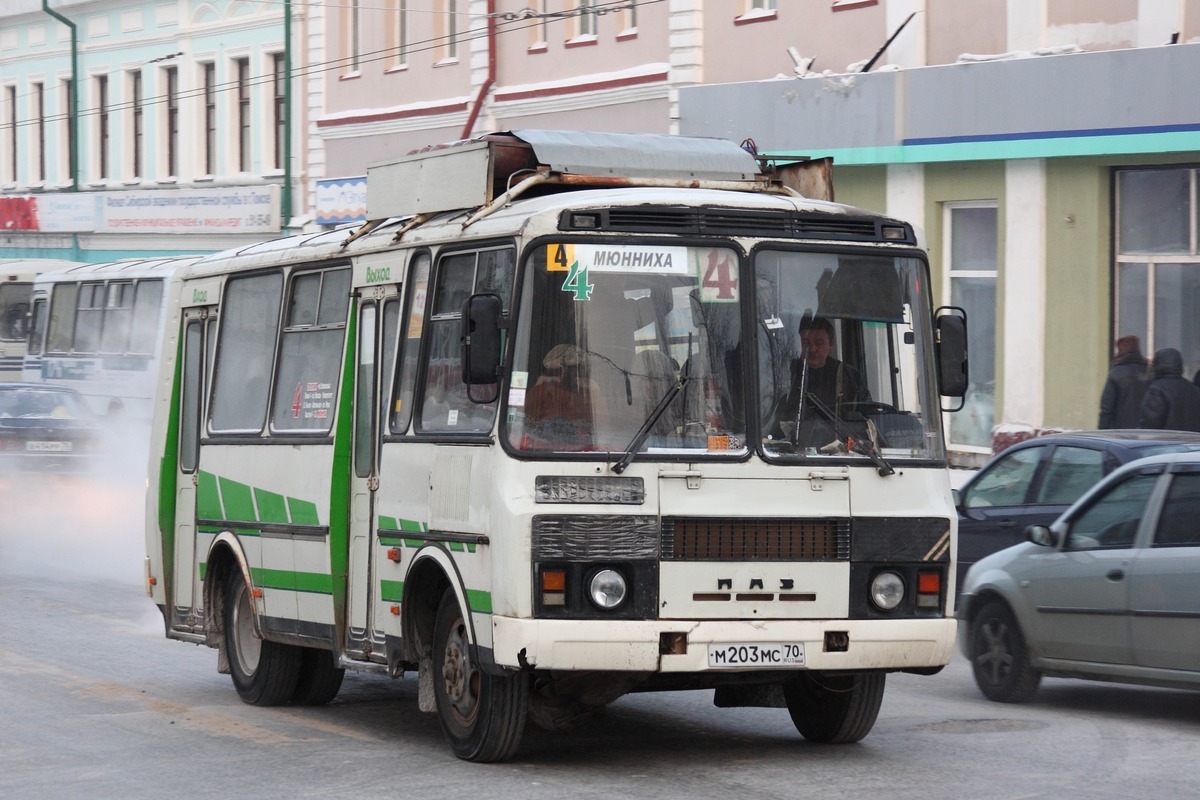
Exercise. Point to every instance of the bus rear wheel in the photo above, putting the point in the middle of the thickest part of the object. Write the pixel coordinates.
(264, 673)
(319, 680)
(481, 715)
(833, 708)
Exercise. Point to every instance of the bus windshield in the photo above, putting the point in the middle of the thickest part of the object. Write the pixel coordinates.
(610, 331)
(843, 368)
(617, 338)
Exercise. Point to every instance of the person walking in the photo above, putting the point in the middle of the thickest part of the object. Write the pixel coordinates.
(1172, 402)
(1121, 400)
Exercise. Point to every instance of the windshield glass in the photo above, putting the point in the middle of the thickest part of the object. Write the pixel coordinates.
(608, 331)
(842, 357)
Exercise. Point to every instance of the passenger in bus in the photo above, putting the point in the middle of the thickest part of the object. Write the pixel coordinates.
(558, 408)
(831, 382)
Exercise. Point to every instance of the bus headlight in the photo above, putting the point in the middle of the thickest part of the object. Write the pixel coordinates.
(887, 590)
(607, 589)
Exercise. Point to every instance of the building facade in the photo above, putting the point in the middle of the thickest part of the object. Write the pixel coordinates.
(143, 128)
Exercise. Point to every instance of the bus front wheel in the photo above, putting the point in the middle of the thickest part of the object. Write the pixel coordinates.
(264, 673)
(482, 715)
(832, 708)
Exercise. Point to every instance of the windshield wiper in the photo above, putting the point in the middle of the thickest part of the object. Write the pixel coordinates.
(680, 381)
(866, 448)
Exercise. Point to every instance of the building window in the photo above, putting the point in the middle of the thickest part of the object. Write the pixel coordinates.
(971, 232)
(447, 30)
(38, 97)
(1157, 260)
(210, 118)
(279, 107)
(136, 126)
(67, 117)
(102, 126)
(587, 18)
(401, 33)
(243, 113)
(353, 35)
(171, 76)
(10, 130)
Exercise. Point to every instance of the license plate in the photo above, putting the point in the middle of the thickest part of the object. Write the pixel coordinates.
(48, 447)
(758, 654)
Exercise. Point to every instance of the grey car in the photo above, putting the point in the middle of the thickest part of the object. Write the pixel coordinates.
(1107, 592)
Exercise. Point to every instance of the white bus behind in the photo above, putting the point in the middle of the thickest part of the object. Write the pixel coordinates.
(16, 292)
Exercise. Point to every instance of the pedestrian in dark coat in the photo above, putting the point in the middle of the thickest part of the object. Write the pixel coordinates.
(1172, 402)
(1121, 400)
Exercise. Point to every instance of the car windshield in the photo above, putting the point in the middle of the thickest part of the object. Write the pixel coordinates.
(842, 362)
(38, 403)
(620, 337)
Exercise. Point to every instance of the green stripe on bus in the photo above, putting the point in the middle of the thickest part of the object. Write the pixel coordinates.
(479, 601)
(312, 582)
(208, 501)
(388, 524)
(412, 526)
(391, 591)
(271, 507)
(303, 512)
(237, 500)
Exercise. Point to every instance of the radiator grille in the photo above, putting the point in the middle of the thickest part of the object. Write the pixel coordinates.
(767, 539)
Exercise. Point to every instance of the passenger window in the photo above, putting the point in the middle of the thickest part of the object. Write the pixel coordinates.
(1007, 481)
(147, 305)
(245, 348)
(406, 376)
(1111, 522)
(88, 318)
(1070, 472)
(310, 352)
(445, 405)
(62, 318)
(1179, 521)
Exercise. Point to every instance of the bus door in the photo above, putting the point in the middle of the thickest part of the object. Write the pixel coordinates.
(199, 327)
(378, 319)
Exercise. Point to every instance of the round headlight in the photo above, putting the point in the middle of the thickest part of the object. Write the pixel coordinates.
(887, 590)
(607, 588)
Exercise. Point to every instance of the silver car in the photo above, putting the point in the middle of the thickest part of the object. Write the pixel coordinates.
(1110, 591)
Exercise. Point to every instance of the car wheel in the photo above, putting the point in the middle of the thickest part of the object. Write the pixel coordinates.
(482, 715)
(834, 709)
(999, 656)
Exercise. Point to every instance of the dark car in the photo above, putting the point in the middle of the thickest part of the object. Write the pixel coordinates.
(46, 427)
(1034, 481)
(1107, 592)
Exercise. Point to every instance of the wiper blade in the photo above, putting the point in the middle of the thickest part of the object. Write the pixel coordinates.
(866, 448)
(655, 415)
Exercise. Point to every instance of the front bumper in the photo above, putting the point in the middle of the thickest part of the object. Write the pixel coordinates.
(634, 645)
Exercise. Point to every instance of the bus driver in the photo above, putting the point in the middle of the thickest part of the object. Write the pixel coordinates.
(826, 381)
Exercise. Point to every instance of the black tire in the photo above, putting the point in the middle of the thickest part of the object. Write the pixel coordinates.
(319, 680)
(264, 673)
(999, 656)
(834, 708)
(481, 715)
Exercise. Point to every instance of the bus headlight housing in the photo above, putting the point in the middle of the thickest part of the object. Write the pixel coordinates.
(607, 589)
(887, 590)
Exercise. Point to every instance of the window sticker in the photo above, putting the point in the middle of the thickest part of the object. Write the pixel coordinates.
(718, 273)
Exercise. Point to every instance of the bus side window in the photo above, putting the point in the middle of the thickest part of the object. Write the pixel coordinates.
(445, 404)
(406, 376)
(245, 347)
(147, 308)
(310, 351)
(62, 318)
(37, 327)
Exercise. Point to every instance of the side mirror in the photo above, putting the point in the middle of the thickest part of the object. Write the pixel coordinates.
(482, 343)
(951, 350)
(1041, 535)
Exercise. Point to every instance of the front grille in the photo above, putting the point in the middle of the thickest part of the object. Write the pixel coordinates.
(764, 539)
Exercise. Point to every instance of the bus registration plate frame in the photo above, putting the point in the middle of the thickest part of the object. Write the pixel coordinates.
(756, 654)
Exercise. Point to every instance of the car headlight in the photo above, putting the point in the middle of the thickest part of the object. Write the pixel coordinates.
(887, 590)
(607, 589)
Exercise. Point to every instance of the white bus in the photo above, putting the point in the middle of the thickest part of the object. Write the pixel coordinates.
(520, 436)
(96, 328)
(16, 290)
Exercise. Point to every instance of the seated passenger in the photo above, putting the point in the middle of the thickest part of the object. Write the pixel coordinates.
(558, 407)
